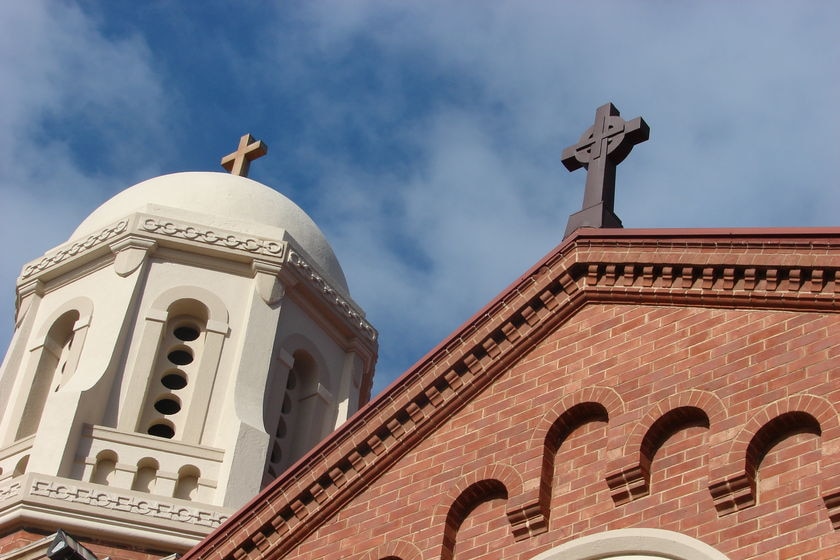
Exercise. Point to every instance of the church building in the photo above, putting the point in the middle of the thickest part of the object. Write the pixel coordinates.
(635, 395)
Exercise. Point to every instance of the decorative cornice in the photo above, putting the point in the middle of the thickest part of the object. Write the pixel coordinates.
(153, 227)
(9, 490)
(167, 228)
(209, 237)
(110, 500)
(75, 249)
(333, 296)
(761, 272)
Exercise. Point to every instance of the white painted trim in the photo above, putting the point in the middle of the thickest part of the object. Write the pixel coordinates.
(656, 543)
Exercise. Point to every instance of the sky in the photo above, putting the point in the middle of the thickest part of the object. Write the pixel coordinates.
(424, 138)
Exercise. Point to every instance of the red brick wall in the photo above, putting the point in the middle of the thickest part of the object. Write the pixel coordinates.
(17, 539)
(692, 396)
(23, 537)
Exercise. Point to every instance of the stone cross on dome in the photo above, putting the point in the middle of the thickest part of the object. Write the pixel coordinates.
(239, 161)
(601, 148)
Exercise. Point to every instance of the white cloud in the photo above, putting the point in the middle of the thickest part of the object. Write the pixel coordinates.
(76, 108)
(429, 134)
(729, 90)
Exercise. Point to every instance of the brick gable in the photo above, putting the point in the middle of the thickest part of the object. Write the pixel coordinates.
(676, 380)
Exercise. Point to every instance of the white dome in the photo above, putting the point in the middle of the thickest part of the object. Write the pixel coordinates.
(223, 201)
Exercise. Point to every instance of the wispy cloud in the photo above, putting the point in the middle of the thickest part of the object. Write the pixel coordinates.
(424, 137)
(77, 109)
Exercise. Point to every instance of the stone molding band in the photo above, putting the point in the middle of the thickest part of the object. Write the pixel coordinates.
(210, 237)
(97, 496)
(333, 296)
(129, 504)
(75, 249)
(220, 239)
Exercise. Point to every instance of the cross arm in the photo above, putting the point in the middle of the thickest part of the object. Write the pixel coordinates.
(570, 160)
(636, 131)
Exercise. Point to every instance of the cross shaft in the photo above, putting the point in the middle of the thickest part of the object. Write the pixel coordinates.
(600, 149)
(239, 161)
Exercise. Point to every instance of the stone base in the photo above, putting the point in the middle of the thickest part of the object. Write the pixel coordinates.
(597, 216)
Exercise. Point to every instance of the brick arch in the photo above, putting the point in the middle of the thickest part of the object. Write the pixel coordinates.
(607, 397)
(473, 496)
(529, 511)
(486, 483)
(774, 431)
(629, 473)
(735, 463)
(394, 550)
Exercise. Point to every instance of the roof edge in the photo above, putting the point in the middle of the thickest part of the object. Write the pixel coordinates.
(796, 268)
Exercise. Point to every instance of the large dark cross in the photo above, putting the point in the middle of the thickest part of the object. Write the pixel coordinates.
(239, 161)
(600, 150)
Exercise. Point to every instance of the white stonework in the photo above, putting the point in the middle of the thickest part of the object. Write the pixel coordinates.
(193, 338)
(220, 201)
(633, 544)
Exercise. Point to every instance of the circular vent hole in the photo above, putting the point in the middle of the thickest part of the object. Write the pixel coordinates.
(174, 381)
(180, 357)
(186, 333)
(167, 406)
(281, 429)
(276, 453)
(287, 405)
(292, 380)
(161, 430)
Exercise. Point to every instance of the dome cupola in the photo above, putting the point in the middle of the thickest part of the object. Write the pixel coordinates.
(225, 202)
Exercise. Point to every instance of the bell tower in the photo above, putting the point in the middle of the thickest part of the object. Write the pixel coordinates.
(193, 338)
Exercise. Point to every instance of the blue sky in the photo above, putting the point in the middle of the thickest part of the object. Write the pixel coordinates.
(423, 137)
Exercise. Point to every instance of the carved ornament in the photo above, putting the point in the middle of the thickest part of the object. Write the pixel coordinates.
(333, 296)
(75, 249)
(229, 241)
(128, 504)
(10, 490)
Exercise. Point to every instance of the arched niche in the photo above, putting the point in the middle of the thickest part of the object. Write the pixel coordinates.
(296, 407)
(55, 355)
(187, 486)
(106, 466)
(146, 475)
(203, 318)
(175, 299)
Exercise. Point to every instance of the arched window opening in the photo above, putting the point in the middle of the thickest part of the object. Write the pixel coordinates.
(146, 476)
(55, 366)
(169, 391)
(106, 466)
(293, 415)
(21, 466)
(162, 429)
(187, 486)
